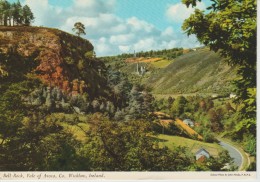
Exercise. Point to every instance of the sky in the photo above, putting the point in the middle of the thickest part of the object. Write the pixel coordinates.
(119, 26)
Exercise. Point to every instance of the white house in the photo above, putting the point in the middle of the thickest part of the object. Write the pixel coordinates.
(188, 122)
(202, 153)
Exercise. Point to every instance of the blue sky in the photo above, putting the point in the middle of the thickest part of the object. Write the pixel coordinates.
(119, 26)
(148, 10)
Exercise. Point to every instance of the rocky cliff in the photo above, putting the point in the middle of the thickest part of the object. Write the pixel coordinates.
(62, 60)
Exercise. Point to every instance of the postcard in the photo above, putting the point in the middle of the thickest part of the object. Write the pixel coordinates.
(128, 90)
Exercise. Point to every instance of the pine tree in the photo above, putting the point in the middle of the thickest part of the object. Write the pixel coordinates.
(27, 15)
(79, 29)
(17, 13)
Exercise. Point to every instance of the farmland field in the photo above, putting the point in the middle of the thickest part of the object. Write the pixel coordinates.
(193, 145)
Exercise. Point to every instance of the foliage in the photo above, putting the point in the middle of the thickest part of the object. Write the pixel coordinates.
(230, 28)
(30, 139)
(79, 29)
(15, 14)
(166, 53)
(215, 117)
(27, 15)
(178, 106)
(114, 146)
(250, 145)
(218, 163)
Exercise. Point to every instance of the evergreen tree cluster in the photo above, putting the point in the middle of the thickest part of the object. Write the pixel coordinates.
(12, 14)
(165, 53)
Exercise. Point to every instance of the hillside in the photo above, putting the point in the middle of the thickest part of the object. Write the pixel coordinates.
(193, 72)
(201, 71)
(59, 59)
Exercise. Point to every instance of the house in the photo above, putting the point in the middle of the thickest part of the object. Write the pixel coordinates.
(188, 122)
(202, 154)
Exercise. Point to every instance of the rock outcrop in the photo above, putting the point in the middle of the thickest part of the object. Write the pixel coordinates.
(62, 59)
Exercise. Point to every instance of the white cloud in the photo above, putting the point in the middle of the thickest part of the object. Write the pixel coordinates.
(138, 25)
(122, 39)
(92, 8)
(179, 12)
(124, 48)
(45, 14)
(109, 33)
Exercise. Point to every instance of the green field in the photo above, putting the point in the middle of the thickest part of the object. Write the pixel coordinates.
(193, 145)
(161, 63)
(77, 131)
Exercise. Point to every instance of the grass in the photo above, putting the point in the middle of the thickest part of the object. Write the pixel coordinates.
(142, 60)
(192, 145)
(161, 63)
(200, 71)
(75, 130)
(189, 130)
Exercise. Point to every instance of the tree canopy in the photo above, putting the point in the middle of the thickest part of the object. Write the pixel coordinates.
(79, 29)
(15, 14)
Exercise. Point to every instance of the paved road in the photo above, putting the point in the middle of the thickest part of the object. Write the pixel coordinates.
(234, 153)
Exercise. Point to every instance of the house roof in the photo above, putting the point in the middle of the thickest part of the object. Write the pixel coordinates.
(202, 149)
(188, 120)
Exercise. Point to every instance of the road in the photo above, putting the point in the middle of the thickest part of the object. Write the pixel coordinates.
(234, 153)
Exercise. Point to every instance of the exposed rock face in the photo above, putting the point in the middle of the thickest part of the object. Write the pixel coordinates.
(57, 53)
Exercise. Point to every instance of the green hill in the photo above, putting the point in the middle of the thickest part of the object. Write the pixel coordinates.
(201, 71)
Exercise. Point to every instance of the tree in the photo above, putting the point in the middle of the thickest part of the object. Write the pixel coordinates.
(113, 146)
(17, 13)
(170, 101)
(1, 12)
(178, 106)
(230, 28)
(14, 13)
(215, 117)
(79, 29)
(6, 6)
(30, 139)
(27, 15)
